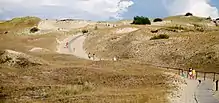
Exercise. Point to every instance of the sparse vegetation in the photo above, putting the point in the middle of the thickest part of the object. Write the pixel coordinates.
(34, 30)
(140, 20)
(157, 20)
(161, 36)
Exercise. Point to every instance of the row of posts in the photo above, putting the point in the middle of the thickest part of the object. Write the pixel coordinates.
(196, 76)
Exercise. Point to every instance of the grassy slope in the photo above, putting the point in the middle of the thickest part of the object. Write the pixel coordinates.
(181, 18)
(184, 49)
(19, 23)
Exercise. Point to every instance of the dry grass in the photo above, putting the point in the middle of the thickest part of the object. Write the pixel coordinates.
(94, 82)
(181, 18)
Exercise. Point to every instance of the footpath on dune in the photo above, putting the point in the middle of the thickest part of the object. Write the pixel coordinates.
(190, 92)
(193, 92)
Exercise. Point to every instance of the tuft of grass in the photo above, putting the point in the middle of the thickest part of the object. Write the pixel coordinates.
(161, 36)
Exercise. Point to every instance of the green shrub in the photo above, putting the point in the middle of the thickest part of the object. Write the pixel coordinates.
(34, 29)
(161, 36)
(188, 14)
(84, 31)
(140, 20)
(157, 20)
(95, 28)
(208, 18)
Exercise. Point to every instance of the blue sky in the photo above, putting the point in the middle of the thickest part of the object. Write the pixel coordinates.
(156, 8)
(152, 8)
(105, 9)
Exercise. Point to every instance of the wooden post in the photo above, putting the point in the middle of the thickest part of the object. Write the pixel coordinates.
(187, 74)
(214, 77)
(204, 75)
(179, 72)
(183, 73)
(216, 85)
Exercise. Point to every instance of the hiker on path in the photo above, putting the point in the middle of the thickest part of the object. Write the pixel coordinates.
(114, 59)
(89, 55)
(66, 45)
(93, 56)
(190, 73)
(193, 73)
(74, 49)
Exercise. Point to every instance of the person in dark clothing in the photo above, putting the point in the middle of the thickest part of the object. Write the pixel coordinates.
(199, 81)
(93, 56)
(190, 73)
(89, 55)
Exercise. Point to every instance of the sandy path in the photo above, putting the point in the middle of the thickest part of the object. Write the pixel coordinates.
(75, 47)
(186, 90)
(188, 94)
(193, 92)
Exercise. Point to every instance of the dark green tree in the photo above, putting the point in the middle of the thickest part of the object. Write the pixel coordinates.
(140, 20)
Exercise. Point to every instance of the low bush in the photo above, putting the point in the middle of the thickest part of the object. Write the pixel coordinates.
(84, 31)
(95, 28)
(157, 20)
(188, 14)
(140, 20)
(208, 18)
(34, 29)
(161, 36)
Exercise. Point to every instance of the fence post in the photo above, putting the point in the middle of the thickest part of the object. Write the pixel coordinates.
(179, 72)
(216, 85)
(214, 77)
(187, 74)
(204, 75)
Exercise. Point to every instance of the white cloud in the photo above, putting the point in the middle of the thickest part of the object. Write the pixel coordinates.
(84, 9)
(197, 7)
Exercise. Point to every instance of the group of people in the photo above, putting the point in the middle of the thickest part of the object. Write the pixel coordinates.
(192, 73)
(90, 55)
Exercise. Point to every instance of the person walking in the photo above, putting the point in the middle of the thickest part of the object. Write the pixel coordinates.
(193, 73)
(66, 45)
(89, 55)
(93, 56)
(190, 73)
